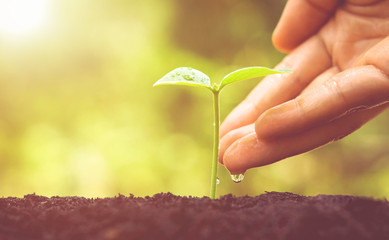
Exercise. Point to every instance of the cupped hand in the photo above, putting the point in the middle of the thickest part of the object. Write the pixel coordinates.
(339, 54)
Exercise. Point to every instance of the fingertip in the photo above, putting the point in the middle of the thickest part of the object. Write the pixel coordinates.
(228, 139)
(250, 152)
(242, 154)
(262, 124)
(279, 43)
(300, 20)
(231, 160)
(220, 157)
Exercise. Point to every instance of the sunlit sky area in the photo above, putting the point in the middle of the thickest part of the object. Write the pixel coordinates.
(23, 17)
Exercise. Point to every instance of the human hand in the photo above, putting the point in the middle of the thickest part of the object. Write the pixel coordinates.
(339, 54)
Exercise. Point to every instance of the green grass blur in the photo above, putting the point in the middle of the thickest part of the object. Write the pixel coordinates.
(79, 115)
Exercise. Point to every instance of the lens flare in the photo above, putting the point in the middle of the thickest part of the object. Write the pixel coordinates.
(22, 17)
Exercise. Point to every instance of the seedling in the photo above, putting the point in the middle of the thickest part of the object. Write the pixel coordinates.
(192, 77)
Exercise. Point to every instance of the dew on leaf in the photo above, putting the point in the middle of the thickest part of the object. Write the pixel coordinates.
(187, 77)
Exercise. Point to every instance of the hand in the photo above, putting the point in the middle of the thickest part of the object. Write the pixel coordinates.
(339, 54)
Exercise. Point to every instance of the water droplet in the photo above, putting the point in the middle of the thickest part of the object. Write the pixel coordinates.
(178, 74)
(237, 177)
(217, 180)
(187, 77)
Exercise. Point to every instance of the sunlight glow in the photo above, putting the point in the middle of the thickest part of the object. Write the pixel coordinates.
(22, 17)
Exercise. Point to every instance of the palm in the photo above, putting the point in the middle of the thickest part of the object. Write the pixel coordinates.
(351, 32)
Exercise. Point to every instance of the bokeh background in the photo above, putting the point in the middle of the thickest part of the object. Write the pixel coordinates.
(79, 115)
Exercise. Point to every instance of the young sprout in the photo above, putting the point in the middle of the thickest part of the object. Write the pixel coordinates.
(192, 77)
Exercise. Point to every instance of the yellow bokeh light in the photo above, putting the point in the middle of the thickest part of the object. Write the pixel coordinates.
(22, 17)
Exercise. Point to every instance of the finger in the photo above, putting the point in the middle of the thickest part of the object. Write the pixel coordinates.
(321, 79)
(232, 136)
(307, 62)
(358, 88)
(377, 56)
(301, 19)
(249, 151)
(238, 133)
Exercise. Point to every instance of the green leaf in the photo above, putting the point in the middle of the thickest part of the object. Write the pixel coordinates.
(185, 76)
(248, 73)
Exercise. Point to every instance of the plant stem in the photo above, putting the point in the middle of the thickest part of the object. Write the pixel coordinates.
(216, 124)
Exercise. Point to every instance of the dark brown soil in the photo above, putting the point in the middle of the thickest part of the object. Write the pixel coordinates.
(270, 216)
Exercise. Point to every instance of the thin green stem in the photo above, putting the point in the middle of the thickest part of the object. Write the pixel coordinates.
(216, 124)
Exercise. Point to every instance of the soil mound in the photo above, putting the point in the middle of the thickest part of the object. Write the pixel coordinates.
(270, 216)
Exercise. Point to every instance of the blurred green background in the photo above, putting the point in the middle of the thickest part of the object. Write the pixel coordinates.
(79, 115)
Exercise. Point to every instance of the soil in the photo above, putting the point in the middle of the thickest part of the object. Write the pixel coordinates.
(270, 216)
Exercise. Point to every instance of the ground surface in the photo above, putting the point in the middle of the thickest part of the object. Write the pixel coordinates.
(270, 216)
